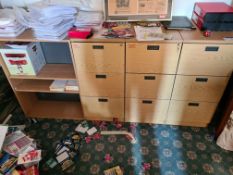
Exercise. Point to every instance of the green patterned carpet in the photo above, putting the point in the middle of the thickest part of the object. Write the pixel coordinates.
(169, 150)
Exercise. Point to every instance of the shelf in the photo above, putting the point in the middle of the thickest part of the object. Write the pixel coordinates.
(51, 72)
(27, 36)
(38, 86)
(56, 109)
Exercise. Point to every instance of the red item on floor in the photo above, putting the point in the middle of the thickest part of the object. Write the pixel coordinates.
(146, 166)
(33, 170)
(80, 33)
(88, 139)
(107, 158)
(96, 136)
(117, 124)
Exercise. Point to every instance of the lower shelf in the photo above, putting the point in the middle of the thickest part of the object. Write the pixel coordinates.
(56, 109)
(38, 86)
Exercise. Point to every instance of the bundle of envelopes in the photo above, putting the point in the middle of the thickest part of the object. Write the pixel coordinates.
(48, 21)
(66, 151)
(9, 27)
(89, 19)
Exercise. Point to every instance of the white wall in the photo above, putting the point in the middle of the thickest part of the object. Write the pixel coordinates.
(185, 7)
(180, 7)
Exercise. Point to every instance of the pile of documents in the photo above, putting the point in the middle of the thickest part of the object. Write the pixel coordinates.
(67, 151)
(47, 21)
(9, 27)
(19, 153)
(86, 19)
(119, 31)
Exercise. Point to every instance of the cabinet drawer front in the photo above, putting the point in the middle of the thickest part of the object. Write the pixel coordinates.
(149, 86)
(190, 112)
(152, 57)
(101, 84)
(103, 108)
(206, 59)
(99, 57)
(199, 88)
(146, 110)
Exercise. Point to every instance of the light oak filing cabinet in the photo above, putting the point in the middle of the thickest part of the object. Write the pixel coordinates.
(150, 74)
(101, 68)
(202, 77)
(178, 82)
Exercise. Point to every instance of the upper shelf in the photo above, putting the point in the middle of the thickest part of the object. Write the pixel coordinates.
(51, 72)
(27, 36)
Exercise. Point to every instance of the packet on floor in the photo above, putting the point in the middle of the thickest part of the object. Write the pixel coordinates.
(51, 163)
(66, 164)
(63, 156)
(113, 171)
(92, 131)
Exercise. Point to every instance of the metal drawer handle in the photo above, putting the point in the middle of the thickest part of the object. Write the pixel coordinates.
(101, 76)
(147, 101)
(194, 104)
(211, 49)
(201, 79)
(149, 77)
(98, 47)
(152, 47)
(103, 100)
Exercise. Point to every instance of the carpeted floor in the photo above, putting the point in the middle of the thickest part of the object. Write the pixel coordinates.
(169, 150)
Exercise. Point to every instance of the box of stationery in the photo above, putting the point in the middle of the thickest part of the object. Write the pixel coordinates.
(23, 58)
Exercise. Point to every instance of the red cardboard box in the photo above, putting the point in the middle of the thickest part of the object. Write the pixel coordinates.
(81, 33)
(202, 8)
(197, 20)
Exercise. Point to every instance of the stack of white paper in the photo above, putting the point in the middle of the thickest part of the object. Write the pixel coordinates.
(9, 27)
(47, 21)
(88, 19)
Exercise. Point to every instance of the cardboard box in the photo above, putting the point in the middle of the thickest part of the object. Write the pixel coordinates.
(214, 16)
(27, 59)
(202, 8)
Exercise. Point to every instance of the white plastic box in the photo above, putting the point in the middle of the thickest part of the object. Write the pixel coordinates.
(27, 59)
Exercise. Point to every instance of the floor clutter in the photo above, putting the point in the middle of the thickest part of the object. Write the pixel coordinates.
(20, 155)
(159, 150)
(67, 151)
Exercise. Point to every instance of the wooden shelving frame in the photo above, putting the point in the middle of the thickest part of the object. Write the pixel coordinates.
(26, 87)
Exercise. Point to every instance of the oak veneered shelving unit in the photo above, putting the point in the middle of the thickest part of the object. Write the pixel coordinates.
(26, 88)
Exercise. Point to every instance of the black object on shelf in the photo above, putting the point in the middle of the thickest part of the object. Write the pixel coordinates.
(179, 23)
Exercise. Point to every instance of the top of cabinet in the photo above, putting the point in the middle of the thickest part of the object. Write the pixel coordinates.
(186, 36)
(176, 37)
(196, 36)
